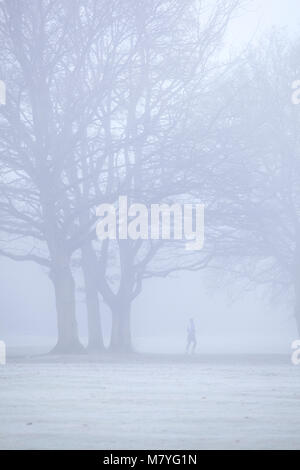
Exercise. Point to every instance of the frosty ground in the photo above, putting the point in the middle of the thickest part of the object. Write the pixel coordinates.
(150, 402)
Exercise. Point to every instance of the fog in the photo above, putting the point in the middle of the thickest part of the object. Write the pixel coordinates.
(111, 109)
(160, 314)
(247, 323)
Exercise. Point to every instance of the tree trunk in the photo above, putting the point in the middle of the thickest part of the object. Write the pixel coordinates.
(95, 336)
(120, 333)
(64, 286)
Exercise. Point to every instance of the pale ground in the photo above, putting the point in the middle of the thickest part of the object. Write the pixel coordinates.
(163, 402)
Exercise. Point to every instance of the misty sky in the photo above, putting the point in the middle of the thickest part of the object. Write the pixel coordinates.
(160, 313)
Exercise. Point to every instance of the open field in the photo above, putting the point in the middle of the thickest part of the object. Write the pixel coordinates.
(144, 402)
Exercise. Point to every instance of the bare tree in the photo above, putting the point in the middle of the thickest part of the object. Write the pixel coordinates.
(49, 108)
(146, 123)
(101, 97)
(258, 204)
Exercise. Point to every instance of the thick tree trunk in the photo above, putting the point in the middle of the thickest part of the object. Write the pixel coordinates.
(121, 331)
(64, 286)
(95, 336)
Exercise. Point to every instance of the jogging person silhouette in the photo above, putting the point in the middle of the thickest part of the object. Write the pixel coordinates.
(191, 337)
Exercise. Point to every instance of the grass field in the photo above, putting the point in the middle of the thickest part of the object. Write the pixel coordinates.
(150, 402)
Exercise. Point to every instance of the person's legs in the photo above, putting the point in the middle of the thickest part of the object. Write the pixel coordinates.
(193, 346)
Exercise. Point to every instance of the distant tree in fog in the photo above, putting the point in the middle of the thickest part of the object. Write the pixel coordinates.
(258, 204)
